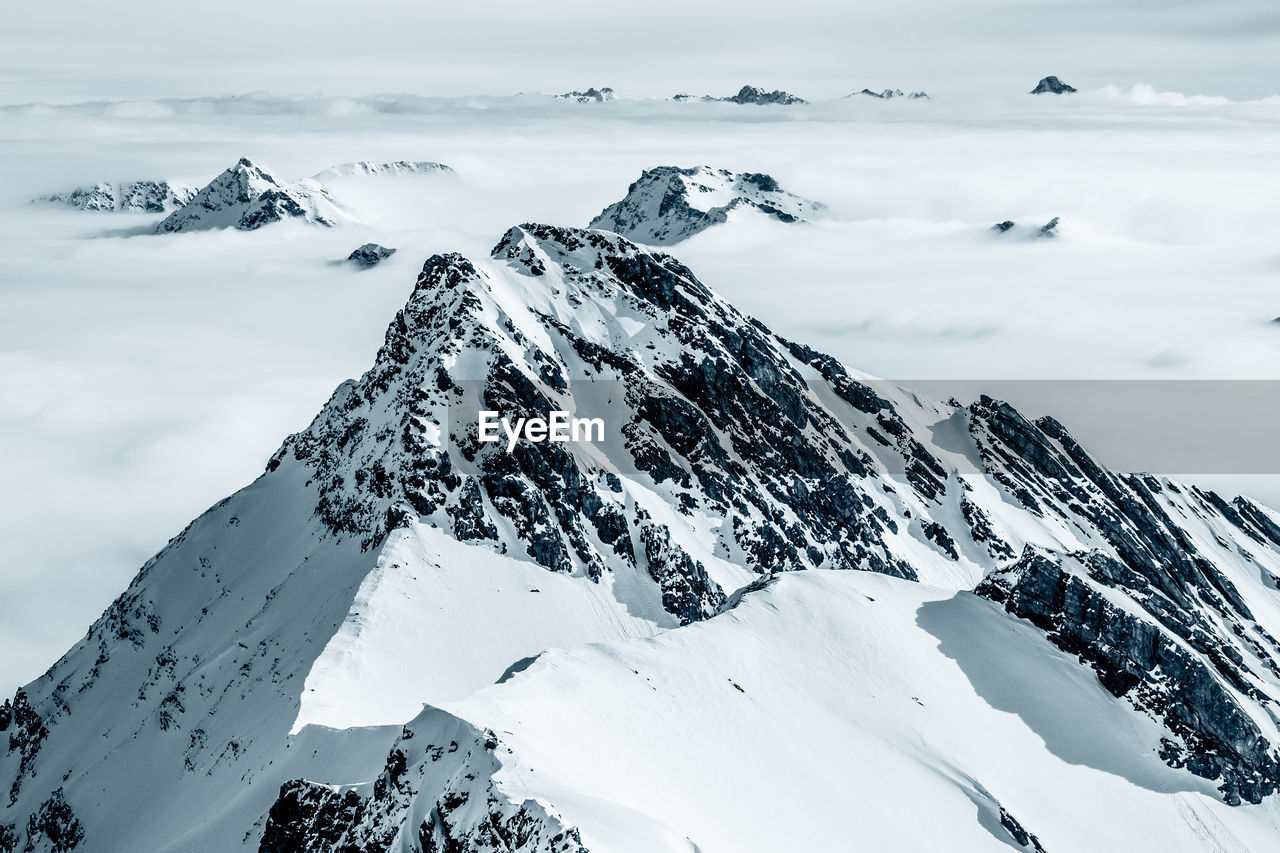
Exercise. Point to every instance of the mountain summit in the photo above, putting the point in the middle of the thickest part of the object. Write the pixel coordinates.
(758, 96)
(668, 204)
(1052, 86)
(769, 585)
(248, 196)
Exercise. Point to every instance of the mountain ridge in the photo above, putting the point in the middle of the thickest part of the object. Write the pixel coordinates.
(291, 631)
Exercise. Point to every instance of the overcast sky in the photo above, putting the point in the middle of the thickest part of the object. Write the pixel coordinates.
(66, 50)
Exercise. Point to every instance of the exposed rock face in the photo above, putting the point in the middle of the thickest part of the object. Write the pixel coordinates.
(247, 197)
(755, 95)
(669, 204)
(364, 168)
(1158, 621)
(126, 197)
(370, 255)
(441, 794)
(592, 95)
(889, 94)
(1002, 226)
(1052, 86)
(1050, 228)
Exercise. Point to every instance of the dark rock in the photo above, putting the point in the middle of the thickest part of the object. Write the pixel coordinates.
(1020, 835)
(591, 95)
(669, 204)
(1052, 85)
(1050, 228)
(57, 823)
(1002, 226)
(889, 94)
(370, 255)
(755, 95)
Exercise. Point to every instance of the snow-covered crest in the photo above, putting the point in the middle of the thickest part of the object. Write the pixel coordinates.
(248, 196)
(669, 204)
(126, 197)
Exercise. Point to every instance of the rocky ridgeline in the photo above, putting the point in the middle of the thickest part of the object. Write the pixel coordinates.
(247, 197)
(730, 445)
(454, 771)
(1184, 646)
(590, 96)
(890, 94)
(668, 204)
(753, 95)
(126, 197)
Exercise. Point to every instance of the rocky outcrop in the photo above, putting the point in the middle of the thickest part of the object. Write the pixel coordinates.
(449, 781)
(668, 204)
(1052, 86)
(366, 169)
(1049, 229)
(247, 197)
(592, 95)
(370, 255)
(758, 96)
(889, 94)
(1156, 618)
(126, 197)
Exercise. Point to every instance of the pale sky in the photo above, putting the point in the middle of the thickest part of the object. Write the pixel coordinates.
(67, 50)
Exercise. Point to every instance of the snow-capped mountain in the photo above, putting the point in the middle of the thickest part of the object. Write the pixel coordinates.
(364, 168)
(612, 636)
(1051, 85)
(756, 95)
(889, 94)
(246, 197)
(668, 204)
(126, 197)
(592, 95)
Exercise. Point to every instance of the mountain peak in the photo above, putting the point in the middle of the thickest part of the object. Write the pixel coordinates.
(668, 204)
(756, 95)
(1052, 86)
(247, 196)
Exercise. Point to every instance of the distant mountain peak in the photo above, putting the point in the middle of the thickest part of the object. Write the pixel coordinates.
(591, 95)
(756, 95)
(889, 94)
(668, 204)
(365, 168)
(1052, 86)
(126, 197)
(247, 196)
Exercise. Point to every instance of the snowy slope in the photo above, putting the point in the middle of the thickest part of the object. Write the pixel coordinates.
(387, 559)
(126, 197)
(669, 204)
(247, 196)
(828, 711)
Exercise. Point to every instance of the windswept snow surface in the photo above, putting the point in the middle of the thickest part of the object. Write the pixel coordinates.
(836, 711)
